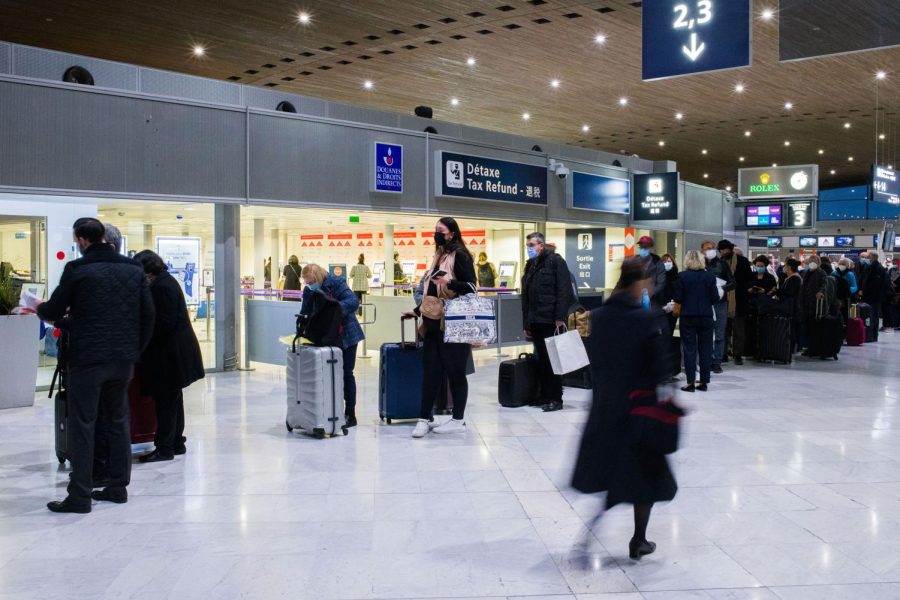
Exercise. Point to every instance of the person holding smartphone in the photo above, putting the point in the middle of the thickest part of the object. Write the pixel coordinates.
(452, 274)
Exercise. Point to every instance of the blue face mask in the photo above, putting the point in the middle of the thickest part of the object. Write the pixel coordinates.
(643, 252)
(532, 252)
(760, 269)
(314, 287)
(667, 266)
(865, 261)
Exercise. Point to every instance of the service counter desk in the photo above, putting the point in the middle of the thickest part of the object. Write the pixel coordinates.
(269, 324)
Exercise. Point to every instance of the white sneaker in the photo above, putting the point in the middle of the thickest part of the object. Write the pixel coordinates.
(451, 426)
(421, 429)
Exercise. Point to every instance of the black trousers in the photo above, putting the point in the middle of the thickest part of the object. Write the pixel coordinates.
(169, 421)
(89, 389)
(876, 316)
(551, 383)
(697, 343)
(440, 361)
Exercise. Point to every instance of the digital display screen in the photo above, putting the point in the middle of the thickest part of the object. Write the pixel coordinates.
(507, 270)
(808, 242)
(845, 241)
(766, 216)
(773, 242)
(826, 241)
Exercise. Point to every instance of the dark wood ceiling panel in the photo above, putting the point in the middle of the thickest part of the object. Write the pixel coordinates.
(415, 53)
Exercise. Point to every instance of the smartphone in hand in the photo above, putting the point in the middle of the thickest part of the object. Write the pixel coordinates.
(439, 273)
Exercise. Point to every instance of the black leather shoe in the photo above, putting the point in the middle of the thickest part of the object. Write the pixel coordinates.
(350, 420)
(119, 496)
(638, 549)
(739, 361)
(156, 456)
(717, 369)
(688, 388)
(702, 387)
(552, 406)
(66, 506)
(179, 450)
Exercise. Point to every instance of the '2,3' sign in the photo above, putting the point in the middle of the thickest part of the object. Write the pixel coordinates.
(682, 21)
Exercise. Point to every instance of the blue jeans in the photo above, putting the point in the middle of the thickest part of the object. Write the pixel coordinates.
(697, 335)
(349, 378)
(718, 350)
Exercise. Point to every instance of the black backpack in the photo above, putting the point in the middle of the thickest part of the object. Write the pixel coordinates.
(321, 325)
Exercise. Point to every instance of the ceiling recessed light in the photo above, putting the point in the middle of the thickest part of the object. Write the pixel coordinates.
(832, 171)
(767, 14)
(662, 143)
(741, 159)
(704, 152)
(304, 18)
(787, 142)
(471, 61)
(585, 128)
(774, 164)
(525, 116)
(847, 125)
(881, 136)
(727, 188)
(679, 116)
(748, 133)
(368, 84)
(880, 75)
(788, 105)
(821, 152)
(706, 176)
(623, 101)
(454, 101)
(599, 39)
(199, 50)
(739, 88)
(850, 158)
(554, 83)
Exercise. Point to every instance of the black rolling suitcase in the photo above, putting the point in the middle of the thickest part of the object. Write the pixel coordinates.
(518, 383)
(864, 312)
(827, 334)
(773, 339)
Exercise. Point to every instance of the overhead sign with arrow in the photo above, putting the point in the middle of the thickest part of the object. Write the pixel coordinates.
(683, 37)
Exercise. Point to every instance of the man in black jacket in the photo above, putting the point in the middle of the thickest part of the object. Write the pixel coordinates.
(110, 316)
(722, 271)
(873, 288)
(546, 299)
(738, 300)
(655, 271)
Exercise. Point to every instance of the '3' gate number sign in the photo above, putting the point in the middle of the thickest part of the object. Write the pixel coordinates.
(682, 37)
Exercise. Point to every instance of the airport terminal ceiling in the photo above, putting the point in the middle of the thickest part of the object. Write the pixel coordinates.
(417, 53)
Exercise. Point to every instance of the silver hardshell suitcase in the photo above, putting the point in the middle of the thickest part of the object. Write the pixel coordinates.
(315, 390)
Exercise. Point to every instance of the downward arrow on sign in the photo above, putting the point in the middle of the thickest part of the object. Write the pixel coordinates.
(694, 51)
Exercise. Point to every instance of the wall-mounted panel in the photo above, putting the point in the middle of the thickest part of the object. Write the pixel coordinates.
(82, 140)
(345, 112)
(47, 64)
(294, 160)
(5, 58)
(176, 85)
(703, 209)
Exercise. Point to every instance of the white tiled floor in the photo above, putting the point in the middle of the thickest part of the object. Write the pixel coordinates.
(790, 489)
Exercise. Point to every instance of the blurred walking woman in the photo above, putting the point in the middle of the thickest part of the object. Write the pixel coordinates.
(696, 292)
(172, 360)
(452, 274)
(608, 460)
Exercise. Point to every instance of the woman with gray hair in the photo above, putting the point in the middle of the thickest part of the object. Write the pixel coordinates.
(113, 237)
(697, 293)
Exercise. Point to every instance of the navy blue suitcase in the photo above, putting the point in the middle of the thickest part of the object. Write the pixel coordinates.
(400, 380)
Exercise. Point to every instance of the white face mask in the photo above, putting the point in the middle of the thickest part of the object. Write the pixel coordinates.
(710, 254)
(812, 266)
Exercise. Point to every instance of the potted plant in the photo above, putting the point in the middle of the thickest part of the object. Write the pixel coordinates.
(9, 294)
(18, 350)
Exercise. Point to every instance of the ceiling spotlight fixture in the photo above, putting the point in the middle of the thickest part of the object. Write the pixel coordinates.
(850, 158)
(727, 188)
(679, 116)
(847, 125)
(787, 142)
(554, 83)
(704, 152)
(821, 152)
(747, 133)
(599, 39)
(454, 101)
(199, 50)
(832, 171)
(706, 176)
(774, 164)
(585, 128)
(662, 143)
(304, 18)
(525, 116)
(623, 101)
(881, 136)
(741, 159)
(739, 88)
(767, 14)
(368, 84)
(471, 61)
(880, 75)
(788, 105)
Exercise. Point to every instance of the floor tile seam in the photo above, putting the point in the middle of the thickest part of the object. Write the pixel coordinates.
(788, 488)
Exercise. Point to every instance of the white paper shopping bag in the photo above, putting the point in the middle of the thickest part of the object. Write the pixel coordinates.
(566, 352)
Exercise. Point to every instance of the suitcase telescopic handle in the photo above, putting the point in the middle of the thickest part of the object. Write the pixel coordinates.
(403, 321)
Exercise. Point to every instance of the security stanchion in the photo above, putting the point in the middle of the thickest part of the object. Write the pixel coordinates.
(364, 322)
(500, 353)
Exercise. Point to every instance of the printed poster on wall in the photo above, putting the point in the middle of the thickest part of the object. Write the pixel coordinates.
(182, 257)
(584, 252)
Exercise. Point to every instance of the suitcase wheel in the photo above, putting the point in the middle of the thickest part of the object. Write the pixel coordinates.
(345, 430)
(388, 421)
(288, 425)
(319, 434)
(61, 458)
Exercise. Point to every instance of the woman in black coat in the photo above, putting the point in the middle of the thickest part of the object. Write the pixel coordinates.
(172, 360)
(292, 283)
(624, 348)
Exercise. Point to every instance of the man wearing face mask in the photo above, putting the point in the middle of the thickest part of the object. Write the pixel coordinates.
(722, 271)
(546, 298)
(111, 315)
(738, 300)
(873, 288)
(655, 271)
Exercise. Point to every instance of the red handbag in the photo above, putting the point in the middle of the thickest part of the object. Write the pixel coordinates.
(654, 419)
